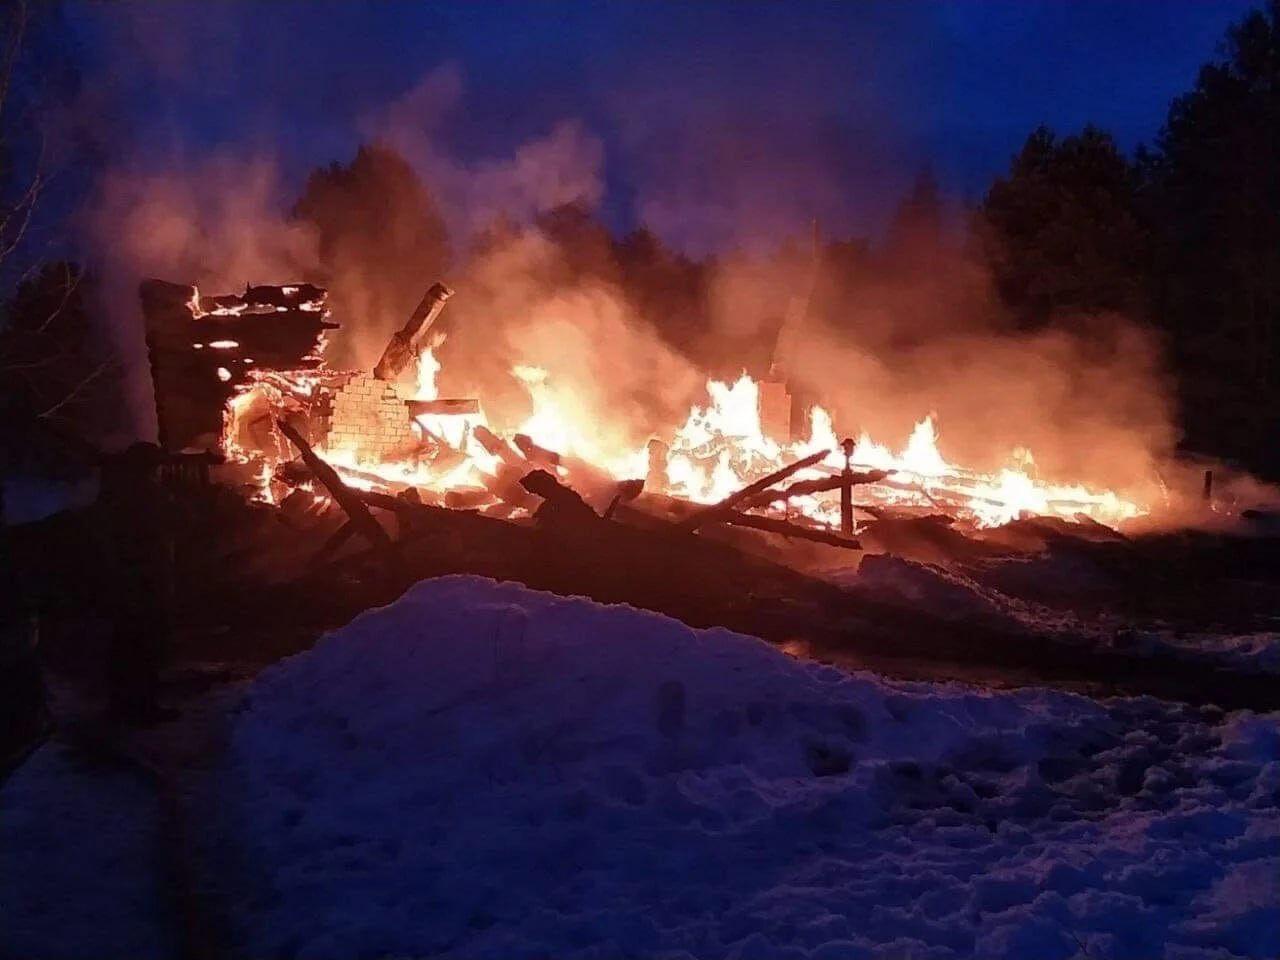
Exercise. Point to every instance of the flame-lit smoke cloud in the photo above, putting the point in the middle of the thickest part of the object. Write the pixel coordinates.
(521, 306)
(213, 222)
(709, 175)
(562, 166)
(1088, 397)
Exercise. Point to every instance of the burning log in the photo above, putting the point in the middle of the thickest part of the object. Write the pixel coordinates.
(508, 486)
(495, 446)
(598, 487)
(344, 496)
(333, 543)
(399, 351)
(467, 498)
(787, 529)
(448, 408)
(536, 454)
(735, 500)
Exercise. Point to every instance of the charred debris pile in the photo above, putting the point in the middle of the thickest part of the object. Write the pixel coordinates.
(242, 380)
(285, 536)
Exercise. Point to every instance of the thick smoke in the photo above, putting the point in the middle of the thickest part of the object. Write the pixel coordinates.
(1088, 397)
(215, 222)
(1089, 400)
(563, 166)
(521, 304)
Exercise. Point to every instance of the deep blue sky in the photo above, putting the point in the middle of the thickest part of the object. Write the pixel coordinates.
(717, 121)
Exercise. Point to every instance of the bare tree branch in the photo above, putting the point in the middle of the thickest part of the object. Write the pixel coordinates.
(94, 374)
(13, 49)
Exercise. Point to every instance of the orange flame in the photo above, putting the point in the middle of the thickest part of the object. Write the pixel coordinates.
(720, 447)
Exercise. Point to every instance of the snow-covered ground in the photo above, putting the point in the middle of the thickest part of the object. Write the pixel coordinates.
(479, 770)
(80, 863)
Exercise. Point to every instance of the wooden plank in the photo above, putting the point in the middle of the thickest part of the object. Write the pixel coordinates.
(786, 529)
(344, 496)
(442, 408)
(399, 350)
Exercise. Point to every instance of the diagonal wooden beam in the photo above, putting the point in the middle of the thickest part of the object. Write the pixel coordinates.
(734, 500)
(351, 505)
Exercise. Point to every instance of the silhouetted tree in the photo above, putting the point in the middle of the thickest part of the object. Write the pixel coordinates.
(59, 379)
(58, 376)
(666, 287)
(1215, 200)
(917, 227)
(1061, 233)
(382, 243)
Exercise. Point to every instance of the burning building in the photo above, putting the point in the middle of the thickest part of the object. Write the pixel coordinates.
(231, 372)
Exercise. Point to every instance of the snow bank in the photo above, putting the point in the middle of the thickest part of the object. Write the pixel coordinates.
(79, 863)
(479, 771)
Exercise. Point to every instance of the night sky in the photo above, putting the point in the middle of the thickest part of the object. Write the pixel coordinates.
(715, 123)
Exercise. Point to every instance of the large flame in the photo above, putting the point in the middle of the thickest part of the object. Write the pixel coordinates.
(721, 446)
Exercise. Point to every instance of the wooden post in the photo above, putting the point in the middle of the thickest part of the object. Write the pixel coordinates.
(846, 488)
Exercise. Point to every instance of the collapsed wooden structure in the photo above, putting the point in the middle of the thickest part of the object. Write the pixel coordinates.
(208, 351)
(202, 349)
(259, 355)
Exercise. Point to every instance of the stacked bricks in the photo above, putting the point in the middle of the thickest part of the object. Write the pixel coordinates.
(369, 419)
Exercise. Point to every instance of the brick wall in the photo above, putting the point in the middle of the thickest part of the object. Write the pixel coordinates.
(368, 418)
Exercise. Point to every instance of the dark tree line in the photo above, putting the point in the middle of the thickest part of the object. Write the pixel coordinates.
(1185, 235)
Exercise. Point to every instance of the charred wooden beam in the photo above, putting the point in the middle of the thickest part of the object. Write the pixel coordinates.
(734, 500)
(535, 453)
(399, 351)
(344, 496)
(508, 486)
(445, 408)
(802, 488)
(786, 529)
(334, 542)
(495, 446)
(467, 498)
(847, 447)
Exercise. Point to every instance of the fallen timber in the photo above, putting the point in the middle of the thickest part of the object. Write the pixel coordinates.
(790, 530)
(740, 497)
(803, 488)
(399, 350)
(358, 514)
